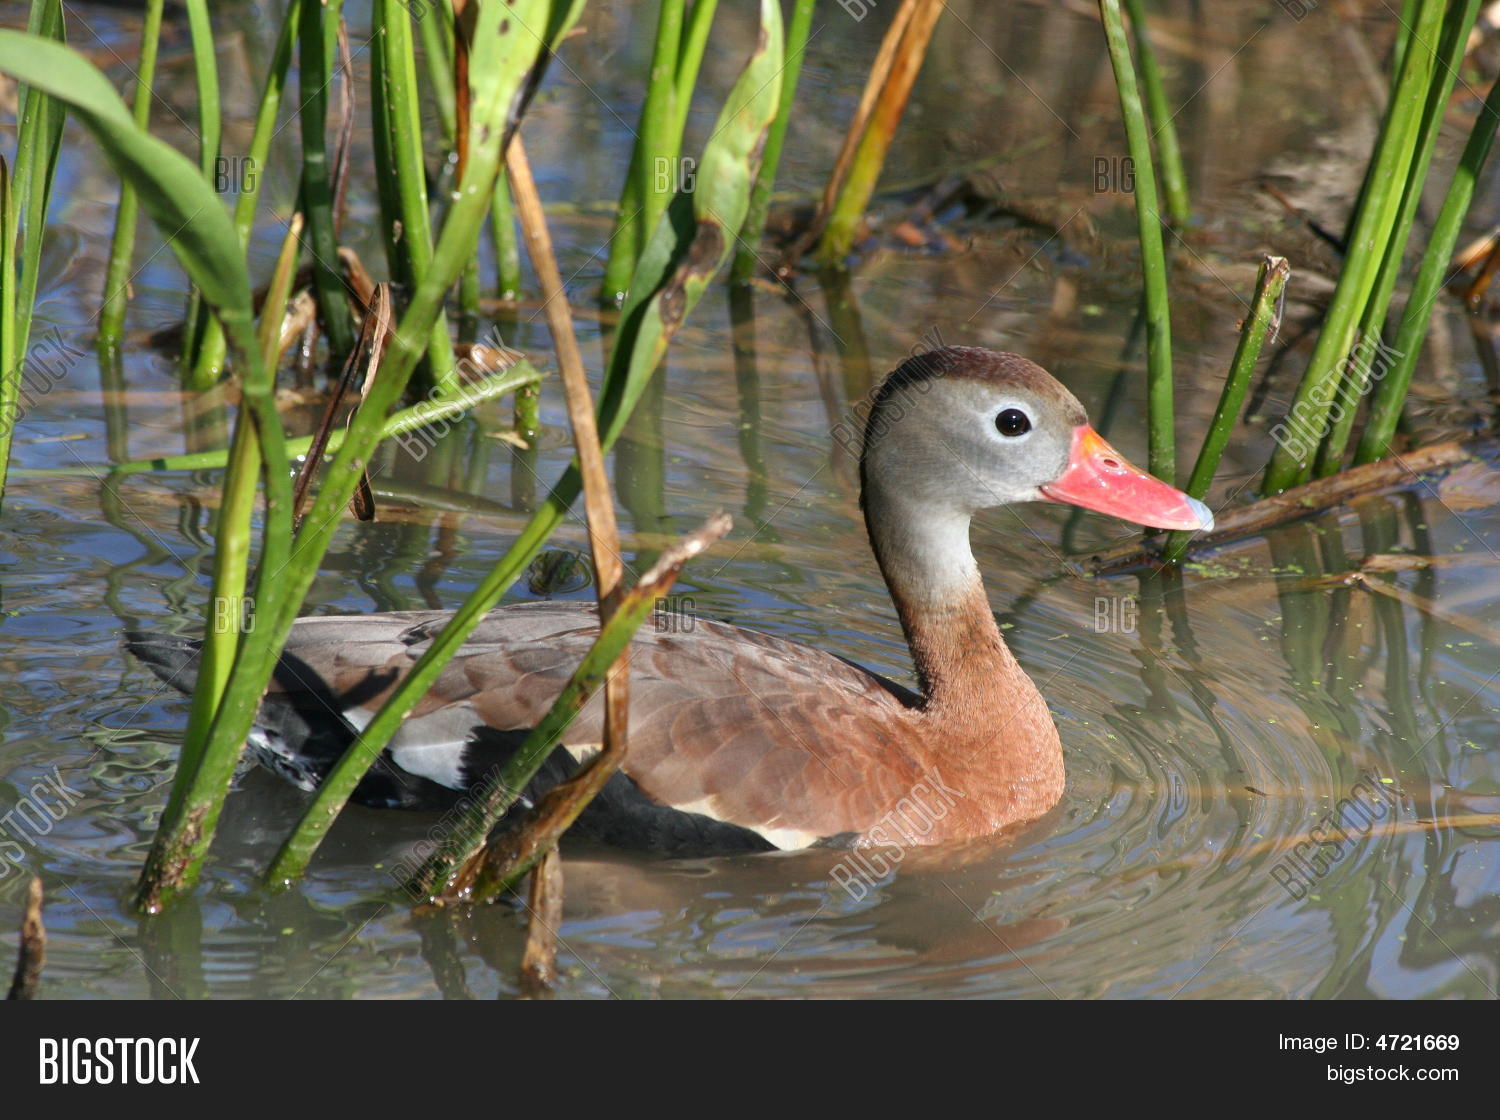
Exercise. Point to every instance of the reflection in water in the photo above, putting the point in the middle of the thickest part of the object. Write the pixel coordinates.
(1213, 718)
(747, 383)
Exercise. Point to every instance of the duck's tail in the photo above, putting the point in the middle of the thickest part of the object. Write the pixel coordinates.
(173, 659)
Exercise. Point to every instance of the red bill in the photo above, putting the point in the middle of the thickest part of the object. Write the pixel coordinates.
(1099, 478)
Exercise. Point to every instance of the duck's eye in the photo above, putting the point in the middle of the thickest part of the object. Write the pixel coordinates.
(1013, 422)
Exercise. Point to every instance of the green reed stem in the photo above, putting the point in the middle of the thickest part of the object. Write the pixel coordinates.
(1269, 285)
(1358, 372)
(632, 229)
(689, 61)
(196, 318)
(520, 378)
(1427, 288)
(38, 142)
(117, 272)
(1374, 226)
(435, 27)
(317, 36)
(436, 31)
(1162, 455)
(230, 615)
(507, 247)
(659, 149)
(1168, 151)
(402, 164)
(248, 177)
(11, 371)
(528, 412)
(745, 256)
(206, 78)
(208, 763)
(23, 225)
(1404, 24)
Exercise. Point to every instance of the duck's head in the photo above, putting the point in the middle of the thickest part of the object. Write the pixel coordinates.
(961, 429)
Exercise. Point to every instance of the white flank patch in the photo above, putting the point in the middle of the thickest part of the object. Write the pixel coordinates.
(583, 752)
(787, 839)
(438, 762)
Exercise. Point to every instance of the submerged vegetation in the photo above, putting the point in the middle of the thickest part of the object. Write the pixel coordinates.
(404, 353)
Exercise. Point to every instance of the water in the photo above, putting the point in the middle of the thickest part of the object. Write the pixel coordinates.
(1211, 720)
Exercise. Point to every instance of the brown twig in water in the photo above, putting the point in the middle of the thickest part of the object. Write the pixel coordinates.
(1475, 292)
(1304, 217)
(1361, 578)
(545, 902)
(604, 535)
(301, 311)
(1299, 501)
(358, 278)
(33, 951)
(1475, 251)
(346, 128)
(371, 346)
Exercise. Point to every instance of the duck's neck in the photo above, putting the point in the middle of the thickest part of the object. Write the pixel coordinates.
(983, 725)
(967, 674)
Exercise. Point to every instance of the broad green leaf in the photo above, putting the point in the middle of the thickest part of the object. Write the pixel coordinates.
(171, 188)
(687, 249)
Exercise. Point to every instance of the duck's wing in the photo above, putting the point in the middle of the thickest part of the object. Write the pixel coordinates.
(726, 724)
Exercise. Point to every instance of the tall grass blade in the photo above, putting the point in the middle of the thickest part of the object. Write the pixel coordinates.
(1307, 419)
(38, 141)
(117, 272)
(247, 174)
(652, 144)
(10, 368)
(1164, 133)
(232, 613)
(875, 82)
(1270, 283)
(503, 237)
(1160, 407)
(23, 225)
(1358, 373)
(317, 38)
(435, 28)
(746, 256)
(408, 231)
(1427, 288)
(210, 132)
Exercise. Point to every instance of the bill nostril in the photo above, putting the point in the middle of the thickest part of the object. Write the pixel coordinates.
(1112, 464)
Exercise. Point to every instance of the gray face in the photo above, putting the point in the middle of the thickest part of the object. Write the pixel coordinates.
(958, 444)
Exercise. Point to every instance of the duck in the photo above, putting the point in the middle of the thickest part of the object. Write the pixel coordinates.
(740, 740)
